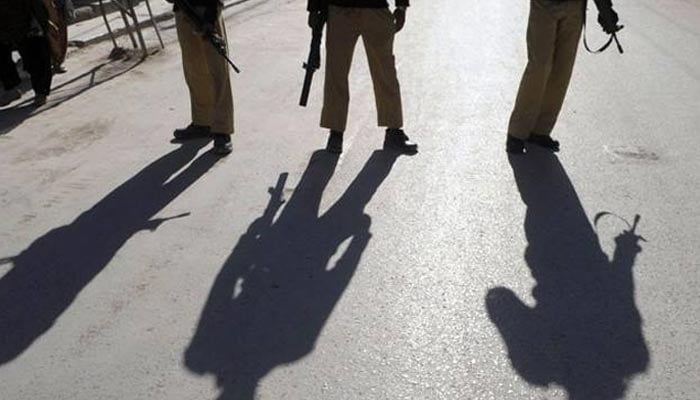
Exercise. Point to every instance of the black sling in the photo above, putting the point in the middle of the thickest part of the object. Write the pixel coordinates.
(613, 36)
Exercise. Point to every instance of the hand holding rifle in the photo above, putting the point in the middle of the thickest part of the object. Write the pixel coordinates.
(317, 19)
(207, 30)
(608, 19)
(400, 18)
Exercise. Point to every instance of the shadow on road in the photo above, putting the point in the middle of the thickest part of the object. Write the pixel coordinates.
(279, 286)
(585, 332)
(51, 272)
(12, 117)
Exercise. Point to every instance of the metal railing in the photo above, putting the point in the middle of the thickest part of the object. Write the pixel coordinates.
(133, 27)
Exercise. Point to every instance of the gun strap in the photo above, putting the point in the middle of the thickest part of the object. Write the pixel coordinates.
(613, 36)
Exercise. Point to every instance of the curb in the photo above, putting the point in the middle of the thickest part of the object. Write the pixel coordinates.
(121, 31)
(92, 10)
(165, 16)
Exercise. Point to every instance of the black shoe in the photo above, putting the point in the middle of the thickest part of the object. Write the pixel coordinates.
(545, 141)
(10, 96)
(40, 100)
(397, 139)
(222, 144)
(335, 142)
(192, 131)
(515, 145)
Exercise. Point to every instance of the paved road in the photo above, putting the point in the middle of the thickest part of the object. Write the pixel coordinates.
(141, 269)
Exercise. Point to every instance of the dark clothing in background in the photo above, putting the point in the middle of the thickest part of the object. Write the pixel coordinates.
(8, 69)
(16, 19)
(36, 60)
(57, 32)
(23, 27)
(322, 5)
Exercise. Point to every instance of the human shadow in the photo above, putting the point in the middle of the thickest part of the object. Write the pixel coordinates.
(279, 286)
(12, 117)
(584, 332)
(47, 276)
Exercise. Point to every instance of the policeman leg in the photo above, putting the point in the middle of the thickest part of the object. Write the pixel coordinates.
(196, 71)
(566, 47)
(220, 83)
(541, 34)
(378, 30)
(342, 35)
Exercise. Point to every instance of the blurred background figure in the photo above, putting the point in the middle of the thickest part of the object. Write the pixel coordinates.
(61, 13)
(8, 77)
(23, 27)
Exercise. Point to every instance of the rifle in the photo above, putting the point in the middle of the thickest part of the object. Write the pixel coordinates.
(217, 41)
(314, 61)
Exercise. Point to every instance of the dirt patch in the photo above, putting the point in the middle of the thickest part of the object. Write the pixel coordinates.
(631, 154)
(62, 141)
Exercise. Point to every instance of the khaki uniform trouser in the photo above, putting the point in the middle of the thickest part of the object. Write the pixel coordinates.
(553, 34)
(207, 77)
(377, 28)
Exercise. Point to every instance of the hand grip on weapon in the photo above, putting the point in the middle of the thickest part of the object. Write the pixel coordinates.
(316, 19)
(608, 19)
(217, 41)
(399, 19)
(207, 29)
(221, 47)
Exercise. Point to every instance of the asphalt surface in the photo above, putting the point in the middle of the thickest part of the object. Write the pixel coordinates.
(134, 268)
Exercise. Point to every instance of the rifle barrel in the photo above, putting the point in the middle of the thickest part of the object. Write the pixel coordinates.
(307, 85)
(312, 64)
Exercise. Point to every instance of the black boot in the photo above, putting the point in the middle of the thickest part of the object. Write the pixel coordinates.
(222, 144)
(396, 139)
(335, 142)
(192, 131)
(515, 145)
(545, 141)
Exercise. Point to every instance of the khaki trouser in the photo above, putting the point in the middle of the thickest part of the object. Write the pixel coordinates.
(207, 77)
(377, 28)
(553, 34)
